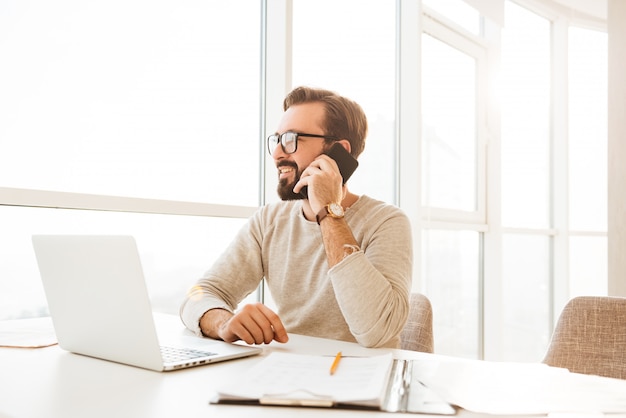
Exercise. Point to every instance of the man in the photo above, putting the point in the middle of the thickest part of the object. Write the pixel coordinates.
(337, 265)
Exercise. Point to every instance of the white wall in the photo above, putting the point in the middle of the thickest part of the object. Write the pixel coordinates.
(617, 148)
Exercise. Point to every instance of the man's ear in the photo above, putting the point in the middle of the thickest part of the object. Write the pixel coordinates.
(346, 144)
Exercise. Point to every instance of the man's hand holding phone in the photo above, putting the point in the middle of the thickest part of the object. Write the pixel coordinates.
(337, 156)
(324, 182)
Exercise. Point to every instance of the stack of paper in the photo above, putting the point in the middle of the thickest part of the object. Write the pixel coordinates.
(296, 379)
(503, 388)
(27, 333)
(378, 382)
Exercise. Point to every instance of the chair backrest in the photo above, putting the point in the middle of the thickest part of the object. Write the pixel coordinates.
(590, 337)
(417, 334)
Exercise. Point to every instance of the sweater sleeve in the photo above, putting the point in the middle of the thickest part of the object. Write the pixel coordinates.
(372, 286)
(235, 274)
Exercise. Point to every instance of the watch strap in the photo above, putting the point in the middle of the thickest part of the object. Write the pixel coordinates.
(326, 211)
(322, 214)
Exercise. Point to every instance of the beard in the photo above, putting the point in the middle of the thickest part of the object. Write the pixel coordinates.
(285, 187)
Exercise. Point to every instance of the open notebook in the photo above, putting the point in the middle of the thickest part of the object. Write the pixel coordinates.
(378, 382)
(99, 304)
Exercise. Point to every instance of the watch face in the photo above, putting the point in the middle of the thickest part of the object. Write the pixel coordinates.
(336, 209)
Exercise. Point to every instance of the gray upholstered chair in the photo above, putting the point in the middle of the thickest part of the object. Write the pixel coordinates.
(590, 337)
(417, 334)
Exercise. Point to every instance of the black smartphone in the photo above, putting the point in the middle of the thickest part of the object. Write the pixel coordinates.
(345, 161)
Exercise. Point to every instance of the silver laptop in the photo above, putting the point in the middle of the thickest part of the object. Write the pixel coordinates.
(99, 304)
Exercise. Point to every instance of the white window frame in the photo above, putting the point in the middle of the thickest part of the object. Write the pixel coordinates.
(444, 30)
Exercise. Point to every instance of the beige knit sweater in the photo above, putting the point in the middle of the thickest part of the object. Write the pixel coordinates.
(364, 298)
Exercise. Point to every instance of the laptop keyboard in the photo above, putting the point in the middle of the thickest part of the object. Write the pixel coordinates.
(175, 354)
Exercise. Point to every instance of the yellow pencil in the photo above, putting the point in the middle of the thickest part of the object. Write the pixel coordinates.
(333, 367)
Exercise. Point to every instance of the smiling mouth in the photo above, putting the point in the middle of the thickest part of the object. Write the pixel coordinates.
(284, 171)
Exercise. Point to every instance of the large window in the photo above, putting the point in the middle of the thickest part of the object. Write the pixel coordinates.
(354, 56)
(498, 278)
(144, 99)
(553, 174)
(449, 149)
(526, 184)
(453, 283)
(175, 251)
(453, 166)
(525, 98)
(587, 77)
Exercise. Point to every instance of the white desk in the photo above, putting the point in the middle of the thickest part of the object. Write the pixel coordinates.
(49, 382)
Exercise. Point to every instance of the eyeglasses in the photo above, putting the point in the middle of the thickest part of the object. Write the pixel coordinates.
(289, 141)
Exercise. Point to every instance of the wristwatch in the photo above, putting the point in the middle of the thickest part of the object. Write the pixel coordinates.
(334, 210)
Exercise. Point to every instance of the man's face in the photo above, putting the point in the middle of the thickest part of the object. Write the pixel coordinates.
(303, 118)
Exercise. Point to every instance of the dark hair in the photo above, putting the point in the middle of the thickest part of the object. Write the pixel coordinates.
(345, 118)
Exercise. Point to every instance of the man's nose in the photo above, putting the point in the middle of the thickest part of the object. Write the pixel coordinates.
(278, 153)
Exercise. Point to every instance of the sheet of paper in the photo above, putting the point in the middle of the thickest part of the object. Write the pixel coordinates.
(27, 333)
(502, 388)
(293, 376)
